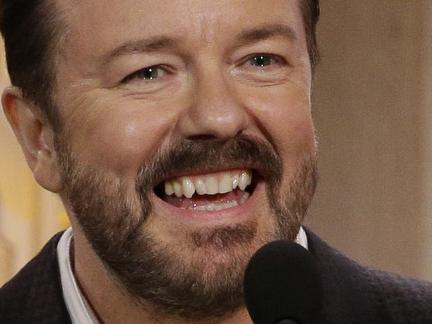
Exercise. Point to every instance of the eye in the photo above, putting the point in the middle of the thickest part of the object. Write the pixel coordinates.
(265, 60)
(147, 74)
(263, 68)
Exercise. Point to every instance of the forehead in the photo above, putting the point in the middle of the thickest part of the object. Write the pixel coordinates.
(97, 25)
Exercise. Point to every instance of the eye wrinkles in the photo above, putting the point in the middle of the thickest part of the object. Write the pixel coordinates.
(260, 62)
(256, 69)
(260, 53)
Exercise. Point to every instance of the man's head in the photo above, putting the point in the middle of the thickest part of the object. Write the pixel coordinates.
(186, 139)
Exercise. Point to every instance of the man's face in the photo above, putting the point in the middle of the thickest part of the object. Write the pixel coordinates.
(187, 140)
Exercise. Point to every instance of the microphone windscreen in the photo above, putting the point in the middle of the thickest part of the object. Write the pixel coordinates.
(282, 281)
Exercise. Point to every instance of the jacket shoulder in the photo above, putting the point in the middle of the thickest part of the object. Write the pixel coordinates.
(34, 294)
(407, 300)
(353, 293)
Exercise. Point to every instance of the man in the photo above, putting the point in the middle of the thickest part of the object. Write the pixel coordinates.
(179, 136)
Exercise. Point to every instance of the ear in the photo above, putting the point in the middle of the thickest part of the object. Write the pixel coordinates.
(35, 136)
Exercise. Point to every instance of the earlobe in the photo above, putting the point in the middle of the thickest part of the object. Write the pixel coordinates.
(35, 136)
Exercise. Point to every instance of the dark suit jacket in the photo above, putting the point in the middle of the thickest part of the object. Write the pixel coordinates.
(351, 293)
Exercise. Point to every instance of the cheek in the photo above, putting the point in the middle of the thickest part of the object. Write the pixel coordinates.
(284, 113)
(120, 141)
(286, 117)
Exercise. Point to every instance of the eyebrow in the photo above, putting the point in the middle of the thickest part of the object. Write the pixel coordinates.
(264, 32)
(152, 44)
(163, 42)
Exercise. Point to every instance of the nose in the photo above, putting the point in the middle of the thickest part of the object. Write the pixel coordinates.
(215, 111)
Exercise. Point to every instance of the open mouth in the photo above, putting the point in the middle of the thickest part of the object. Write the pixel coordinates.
(209, 192)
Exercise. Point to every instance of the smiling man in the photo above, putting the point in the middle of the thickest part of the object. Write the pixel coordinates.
(178, 134)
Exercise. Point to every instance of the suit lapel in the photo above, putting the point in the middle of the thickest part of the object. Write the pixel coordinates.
(35, 295)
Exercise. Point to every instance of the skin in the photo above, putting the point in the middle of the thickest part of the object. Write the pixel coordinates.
(207, 87)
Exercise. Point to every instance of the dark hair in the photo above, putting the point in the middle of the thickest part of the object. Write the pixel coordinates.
(33, 29)
(311, 11)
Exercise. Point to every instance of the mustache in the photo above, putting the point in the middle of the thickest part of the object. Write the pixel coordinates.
(184, 156)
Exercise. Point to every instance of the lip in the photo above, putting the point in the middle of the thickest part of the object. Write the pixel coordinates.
(230, 215)
(209, 170)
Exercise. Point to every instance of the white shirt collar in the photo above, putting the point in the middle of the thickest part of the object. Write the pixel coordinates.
(78, 308)
(301, 238)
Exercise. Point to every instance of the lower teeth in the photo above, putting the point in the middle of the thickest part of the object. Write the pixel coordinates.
(221, 206)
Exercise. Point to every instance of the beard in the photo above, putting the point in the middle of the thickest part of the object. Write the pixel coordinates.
(209, 283)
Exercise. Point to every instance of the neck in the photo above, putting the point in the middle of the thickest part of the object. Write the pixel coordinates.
(111, 304)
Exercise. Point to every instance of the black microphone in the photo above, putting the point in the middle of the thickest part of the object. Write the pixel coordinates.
(282, 285)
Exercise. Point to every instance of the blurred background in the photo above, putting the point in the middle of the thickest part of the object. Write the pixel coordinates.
(373, 113)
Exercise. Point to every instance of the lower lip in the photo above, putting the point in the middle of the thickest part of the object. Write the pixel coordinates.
(234, 214)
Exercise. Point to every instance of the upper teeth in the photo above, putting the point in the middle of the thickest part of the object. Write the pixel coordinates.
(208, 184)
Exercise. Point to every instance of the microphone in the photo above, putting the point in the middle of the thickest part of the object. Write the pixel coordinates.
(282, 285)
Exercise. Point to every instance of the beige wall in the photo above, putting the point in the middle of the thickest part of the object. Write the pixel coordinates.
(372, 111)
(426, 134)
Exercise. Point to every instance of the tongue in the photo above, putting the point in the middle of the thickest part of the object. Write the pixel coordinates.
(202, 200)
